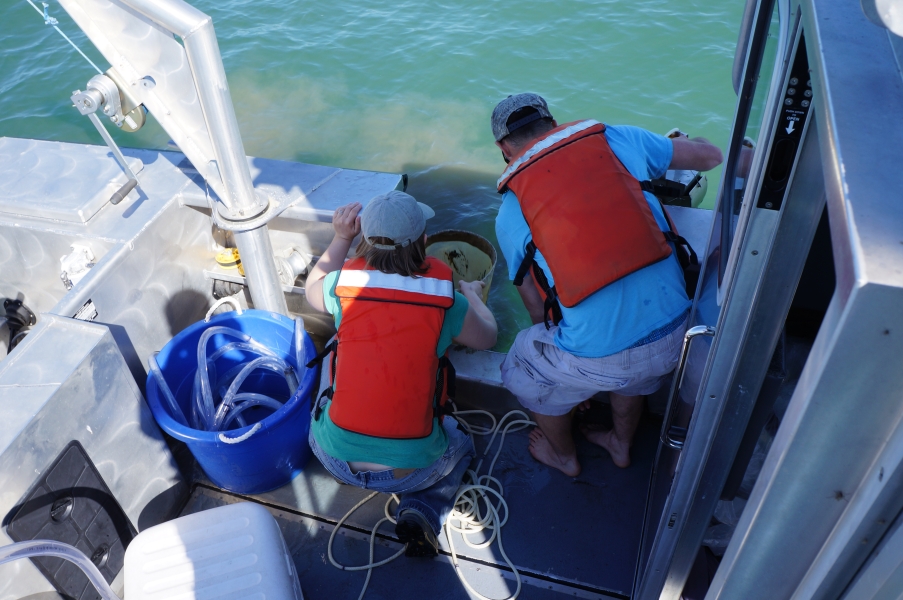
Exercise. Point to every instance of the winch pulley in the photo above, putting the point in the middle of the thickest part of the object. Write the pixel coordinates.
(108, 93)
(102, 93)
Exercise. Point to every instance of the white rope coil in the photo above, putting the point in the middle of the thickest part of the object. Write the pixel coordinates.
(474, 510)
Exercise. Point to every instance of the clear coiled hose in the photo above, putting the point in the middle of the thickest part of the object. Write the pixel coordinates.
(33, 548)
(177, 413)
(216, 402)
(208, 411)
(247, 400)
(272, 363)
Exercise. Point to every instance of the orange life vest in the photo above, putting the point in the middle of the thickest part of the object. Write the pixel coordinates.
(587, 214)
(384, 367)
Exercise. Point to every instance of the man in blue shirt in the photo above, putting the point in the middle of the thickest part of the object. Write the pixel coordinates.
(623, 337)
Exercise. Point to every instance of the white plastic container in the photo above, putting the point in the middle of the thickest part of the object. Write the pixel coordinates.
(233, 551)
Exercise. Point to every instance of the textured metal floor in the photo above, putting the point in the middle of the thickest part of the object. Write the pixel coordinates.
(575, 537)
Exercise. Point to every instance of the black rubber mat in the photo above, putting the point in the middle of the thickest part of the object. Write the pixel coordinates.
(579, 534)
(402, 579)
(70, 503)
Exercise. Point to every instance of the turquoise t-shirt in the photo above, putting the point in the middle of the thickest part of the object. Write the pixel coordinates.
(627, 310)
(401, 454)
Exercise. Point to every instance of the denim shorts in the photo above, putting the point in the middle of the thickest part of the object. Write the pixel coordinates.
(549, 381)
(430, 491)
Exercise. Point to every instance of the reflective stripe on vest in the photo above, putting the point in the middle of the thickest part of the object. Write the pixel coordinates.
(376, 285)
(559, 134)
(587, 214)
(386, 364)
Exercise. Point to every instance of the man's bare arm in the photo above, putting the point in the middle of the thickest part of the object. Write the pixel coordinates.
(697, 154)
(532, 299)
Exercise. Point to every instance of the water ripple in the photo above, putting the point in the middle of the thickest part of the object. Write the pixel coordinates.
(409, 86)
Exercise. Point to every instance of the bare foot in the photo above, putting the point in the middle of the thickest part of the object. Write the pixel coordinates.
(620, 452)
(542, 450)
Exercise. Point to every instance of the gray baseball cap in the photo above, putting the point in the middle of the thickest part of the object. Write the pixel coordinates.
(509, 105)
(396, 216)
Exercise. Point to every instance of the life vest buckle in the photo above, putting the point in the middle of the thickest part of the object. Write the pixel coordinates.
(551, 309)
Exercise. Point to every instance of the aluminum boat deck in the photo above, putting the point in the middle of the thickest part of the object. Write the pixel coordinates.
(569, 537)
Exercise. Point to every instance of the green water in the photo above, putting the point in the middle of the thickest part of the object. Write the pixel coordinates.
(409, 86)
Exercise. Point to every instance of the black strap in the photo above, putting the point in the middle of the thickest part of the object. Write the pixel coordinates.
(689, 255)
(686, 256)
(688, 260)
(672, 228)
(535, 116)
(551, 310)
(332, 347)
(445, 371)
(320, 403)
(529, 259)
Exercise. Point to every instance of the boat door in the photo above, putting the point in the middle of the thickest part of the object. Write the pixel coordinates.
(768, 207)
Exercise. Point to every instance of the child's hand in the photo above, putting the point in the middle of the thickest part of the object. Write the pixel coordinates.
(346, 222)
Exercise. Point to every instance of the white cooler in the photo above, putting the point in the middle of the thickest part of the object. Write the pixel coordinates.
(233, 551)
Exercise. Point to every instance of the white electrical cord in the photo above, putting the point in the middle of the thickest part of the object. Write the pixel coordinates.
(471, 516)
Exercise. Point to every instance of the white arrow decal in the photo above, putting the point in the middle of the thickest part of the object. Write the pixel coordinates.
(789, 128)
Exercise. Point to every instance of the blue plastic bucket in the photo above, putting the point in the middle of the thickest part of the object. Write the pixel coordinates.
(270, 450)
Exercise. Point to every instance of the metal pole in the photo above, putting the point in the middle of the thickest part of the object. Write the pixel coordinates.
(241, 203)
(263, 279)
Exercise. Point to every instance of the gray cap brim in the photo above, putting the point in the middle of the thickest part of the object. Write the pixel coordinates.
(428, 213)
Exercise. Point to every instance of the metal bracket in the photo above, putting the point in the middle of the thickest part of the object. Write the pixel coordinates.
(109, 94)
(267, 211)
(101, 94)
(667, 428)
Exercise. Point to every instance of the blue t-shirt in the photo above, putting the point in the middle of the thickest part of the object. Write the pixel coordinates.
(627, 310)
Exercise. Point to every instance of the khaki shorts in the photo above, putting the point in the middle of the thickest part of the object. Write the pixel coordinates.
(549, 381)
